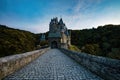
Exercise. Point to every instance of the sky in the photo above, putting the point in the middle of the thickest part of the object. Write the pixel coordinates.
(35, 15)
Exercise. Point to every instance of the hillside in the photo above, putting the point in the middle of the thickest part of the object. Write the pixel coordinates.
(102, 41)
(15, 41)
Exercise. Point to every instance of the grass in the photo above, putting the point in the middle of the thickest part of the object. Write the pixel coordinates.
(74, 48)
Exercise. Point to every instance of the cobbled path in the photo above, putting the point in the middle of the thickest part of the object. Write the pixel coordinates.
(53, 65)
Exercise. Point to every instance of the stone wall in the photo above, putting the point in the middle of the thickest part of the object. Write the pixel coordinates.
(106, 68)
(12, 63)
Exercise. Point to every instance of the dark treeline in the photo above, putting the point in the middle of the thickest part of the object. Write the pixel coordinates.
(102, 41)
(15, 41)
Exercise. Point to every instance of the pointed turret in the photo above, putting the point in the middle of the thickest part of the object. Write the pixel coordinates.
(54, 21)
(61, 21)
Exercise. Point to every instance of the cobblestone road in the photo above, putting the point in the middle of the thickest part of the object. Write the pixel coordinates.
(53, 65)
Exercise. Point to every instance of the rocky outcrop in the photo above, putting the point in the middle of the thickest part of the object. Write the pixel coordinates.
(12, 63)
(108, 69)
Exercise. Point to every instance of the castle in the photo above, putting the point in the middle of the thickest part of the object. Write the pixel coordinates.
(59, 36)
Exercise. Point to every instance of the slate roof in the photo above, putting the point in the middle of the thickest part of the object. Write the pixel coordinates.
(54, 35)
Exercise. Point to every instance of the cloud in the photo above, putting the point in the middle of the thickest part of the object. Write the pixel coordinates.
(88, 15)
(83, 6)
(77, 14)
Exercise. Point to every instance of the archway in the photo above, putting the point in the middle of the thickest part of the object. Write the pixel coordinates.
(54, 44)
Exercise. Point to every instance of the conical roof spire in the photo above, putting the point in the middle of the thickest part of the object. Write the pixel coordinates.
(61, 21)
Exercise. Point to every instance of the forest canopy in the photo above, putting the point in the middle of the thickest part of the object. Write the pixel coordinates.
(101, 41)
(15, 41)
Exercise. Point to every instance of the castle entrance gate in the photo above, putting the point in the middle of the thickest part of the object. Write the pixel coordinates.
(54, 44)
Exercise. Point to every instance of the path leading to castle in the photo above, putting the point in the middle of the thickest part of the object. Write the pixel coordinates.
(53, 65)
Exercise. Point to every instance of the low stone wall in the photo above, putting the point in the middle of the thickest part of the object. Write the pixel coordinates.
(106, 68)
(12, 63)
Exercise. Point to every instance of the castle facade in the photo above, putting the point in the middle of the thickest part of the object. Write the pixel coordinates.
(59, 36)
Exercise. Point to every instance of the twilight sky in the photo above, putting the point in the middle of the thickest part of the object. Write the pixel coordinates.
(35, 15)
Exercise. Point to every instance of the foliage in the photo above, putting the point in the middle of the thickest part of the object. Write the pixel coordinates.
(73, 48)
(43, 43)
(92, 49)
(102, 41)
(14, 41)
(98, 41)
(115, 53)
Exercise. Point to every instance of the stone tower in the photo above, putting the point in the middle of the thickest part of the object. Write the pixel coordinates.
(42, 38)
(59, 36)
